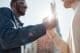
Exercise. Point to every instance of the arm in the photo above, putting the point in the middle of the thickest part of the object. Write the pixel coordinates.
(11, 38)
(76, 31)
(59, 43)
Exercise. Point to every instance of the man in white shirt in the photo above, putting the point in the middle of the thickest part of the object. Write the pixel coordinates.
(73, 44)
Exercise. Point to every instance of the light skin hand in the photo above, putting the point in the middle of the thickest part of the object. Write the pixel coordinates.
(49, 24)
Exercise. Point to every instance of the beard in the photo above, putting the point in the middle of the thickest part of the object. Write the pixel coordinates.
(21, 12)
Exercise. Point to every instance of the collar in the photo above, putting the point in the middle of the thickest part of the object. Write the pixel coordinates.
(17, 18)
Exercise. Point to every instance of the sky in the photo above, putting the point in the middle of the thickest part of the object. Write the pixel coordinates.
(39, 9)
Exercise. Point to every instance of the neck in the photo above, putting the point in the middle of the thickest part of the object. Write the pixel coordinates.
(75, 4)
(15, 12)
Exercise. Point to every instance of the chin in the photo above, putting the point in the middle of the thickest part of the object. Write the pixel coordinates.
(67, 6)
(22, 14)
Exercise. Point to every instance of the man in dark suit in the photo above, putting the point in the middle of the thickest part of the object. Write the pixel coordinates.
(12, 32)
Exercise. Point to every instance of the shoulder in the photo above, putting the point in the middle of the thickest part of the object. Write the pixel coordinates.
(2, 8)
(5, 14)
(5, 11)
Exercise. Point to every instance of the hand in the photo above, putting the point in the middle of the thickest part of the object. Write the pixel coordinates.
(50, 24)
(53, 7)
(51, 34)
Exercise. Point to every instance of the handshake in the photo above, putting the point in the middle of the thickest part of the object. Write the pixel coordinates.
(49, 24)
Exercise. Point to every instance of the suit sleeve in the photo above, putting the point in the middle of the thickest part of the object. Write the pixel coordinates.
(11, 37)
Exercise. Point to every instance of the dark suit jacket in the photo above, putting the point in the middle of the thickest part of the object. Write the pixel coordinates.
(13, 35)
